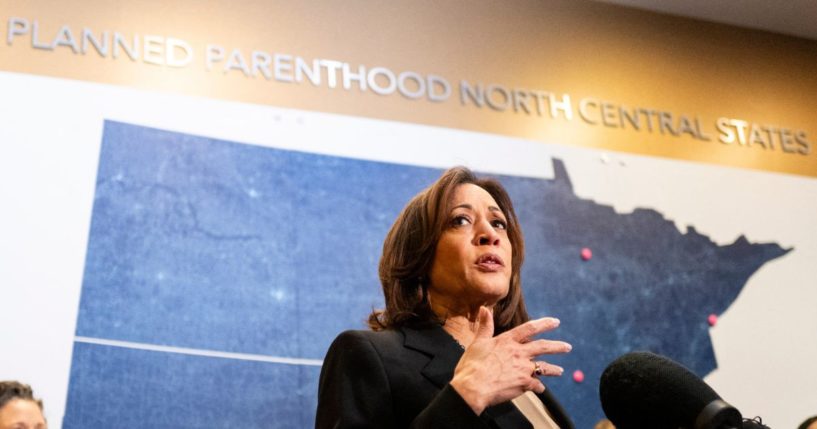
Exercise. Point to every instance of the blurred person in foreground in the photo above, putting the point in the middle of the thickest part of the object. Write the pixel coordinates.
(454, 347)
(18, 408)
(604, 424)
(809, 423)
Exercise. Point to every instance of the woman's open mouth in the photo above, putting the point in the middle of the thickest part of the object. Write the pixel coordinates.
(490, 262)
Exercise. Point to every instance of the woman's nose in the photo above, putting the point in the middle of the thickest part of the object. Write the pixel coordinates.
(487, 235)
(485, 240)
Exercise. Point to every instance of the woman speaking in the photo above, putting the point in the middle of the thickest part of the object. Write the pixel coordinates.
(454, 347)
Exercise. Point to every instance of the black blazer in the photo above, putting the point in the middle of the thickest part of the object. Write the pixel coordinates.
(399, 379)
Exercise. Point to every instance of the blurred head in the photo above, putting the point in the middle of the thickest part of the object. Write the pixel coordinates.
(458, 239)
(18, 408)
(810, 423)
(604, 424)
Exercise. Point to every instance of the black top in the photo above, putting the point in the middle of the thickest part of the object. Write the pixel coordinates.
(400, 379)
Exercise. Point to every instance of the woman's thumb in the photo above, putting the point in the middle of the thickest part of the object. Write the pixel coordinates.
(486, 323)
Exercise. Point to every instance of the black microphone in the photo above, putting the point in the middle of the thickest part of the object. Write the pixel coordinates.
(643, 390)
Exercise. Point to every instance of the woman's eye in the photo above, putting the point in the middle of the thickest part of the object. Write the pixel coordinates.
(460, 221)
(499, 224)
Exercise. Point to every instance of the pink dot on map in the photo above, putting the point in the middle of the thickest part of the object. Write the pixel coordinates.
(712, 319)
(578, 376)
(586, 254)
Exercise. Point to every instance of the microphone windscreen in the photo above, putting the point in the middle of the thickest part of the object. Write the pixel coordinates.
(643, 390)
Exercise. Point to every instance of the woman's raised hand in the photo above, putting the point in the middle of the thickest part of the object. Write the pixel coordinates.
(497, 369)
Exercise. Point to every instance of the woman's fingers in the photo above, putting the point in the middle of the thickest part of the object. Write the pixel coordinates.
(524, 332)
(547, 369)
(547, 347)
(496, 369)
(535, 386)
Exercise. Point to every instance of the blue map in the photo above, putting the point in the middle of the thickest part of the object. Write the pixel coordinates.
(207, 244)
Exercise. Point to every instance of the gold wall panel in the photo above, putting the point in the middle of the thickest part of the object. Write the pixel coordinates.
(688, 74)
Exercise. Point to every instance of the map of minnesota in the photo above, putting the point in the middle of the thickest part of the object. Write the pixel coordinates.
(212, 245)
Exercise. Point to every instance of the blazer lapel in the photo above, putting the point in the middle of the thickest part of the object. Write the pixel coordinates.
(442, 350)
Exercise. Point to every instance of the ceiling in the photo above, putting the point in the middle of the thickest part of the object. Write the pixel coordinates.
(789, 17)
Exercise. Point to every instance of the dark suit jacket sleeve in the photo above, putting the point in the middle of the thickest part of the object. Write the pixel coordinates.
(354, 392)
(448, 411)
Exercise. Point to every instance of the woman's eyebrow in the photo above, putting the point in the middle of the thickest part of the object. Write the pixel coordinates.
(470, 207)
